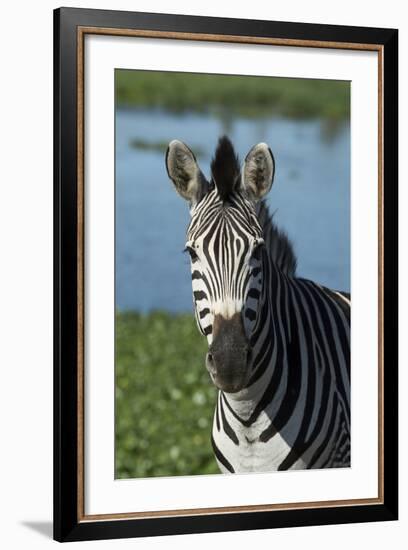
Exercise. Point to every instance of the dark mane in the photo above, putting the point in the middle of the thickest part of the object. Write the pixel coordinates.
(277, 242)
(225, 168)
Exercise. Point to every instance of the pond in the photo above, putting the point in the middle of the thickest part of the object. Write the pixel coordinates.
(310, 198)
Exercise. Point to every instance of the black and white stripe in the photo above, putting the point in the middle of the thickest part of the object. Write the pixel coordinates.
(225, 268)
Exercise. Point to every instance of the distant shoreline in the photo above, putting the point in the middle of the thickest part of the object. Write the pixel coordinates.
(228, 96)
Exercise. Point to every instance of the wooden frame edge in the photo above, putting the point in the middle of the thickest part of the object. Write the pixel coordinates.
(81, 273)
(81, 32)
(191, 512)
(380, 274)
(206, 37)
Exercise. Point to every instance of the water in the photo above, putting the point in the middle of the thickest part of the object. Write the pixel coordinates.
(310, 195)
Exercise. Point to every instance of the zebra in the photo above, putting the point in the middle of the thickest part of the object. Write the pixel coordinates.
(278, 344)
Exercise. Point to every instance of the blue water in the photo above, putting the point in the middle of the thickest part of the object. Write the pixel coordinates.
(310, 195)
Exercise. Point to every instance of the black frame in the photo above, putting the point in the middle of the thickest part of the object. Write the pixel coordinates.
(66, 525)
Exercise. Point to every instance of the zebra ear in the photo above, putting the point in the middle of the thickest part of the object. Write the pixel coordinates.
(184, 172)
(258, 171)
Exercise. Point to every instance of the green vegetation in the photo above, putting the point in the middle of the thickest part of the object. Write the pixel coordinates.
(142, 144)
(160, 146)
(165, 400)
(226, 96)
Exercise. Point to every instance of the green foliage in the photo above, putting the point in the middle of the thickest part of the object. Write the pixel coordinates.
(229, 95)
(165, 400)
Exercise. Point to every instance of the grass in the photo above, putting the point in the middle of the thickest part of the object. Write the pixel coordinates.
(226, 96)
(165, 400)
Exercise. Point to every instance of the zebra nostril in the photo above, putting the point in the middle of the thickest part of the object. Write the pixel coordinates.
(210, 358)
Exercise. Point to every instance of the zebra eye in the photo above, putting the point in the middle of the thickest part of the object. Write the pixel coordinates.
(258, 244)
(192, 253)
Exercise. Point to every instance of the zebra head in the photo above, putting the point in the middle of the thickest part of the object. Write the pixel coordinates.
(224, 241)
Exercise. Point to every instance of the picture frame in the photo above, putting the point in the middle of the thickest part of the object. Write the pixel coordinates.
(71, 28)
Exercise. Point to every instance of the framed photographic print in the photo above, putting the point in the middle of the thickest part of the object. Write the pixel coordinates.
(225, 274)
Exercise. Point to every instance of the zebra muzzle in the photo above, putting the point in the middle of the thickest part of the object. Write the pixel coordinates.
(228, 357)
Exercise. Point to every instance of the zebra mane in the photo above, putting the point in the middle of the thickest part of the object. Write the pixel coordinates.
(225, 169)
(277, 242)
